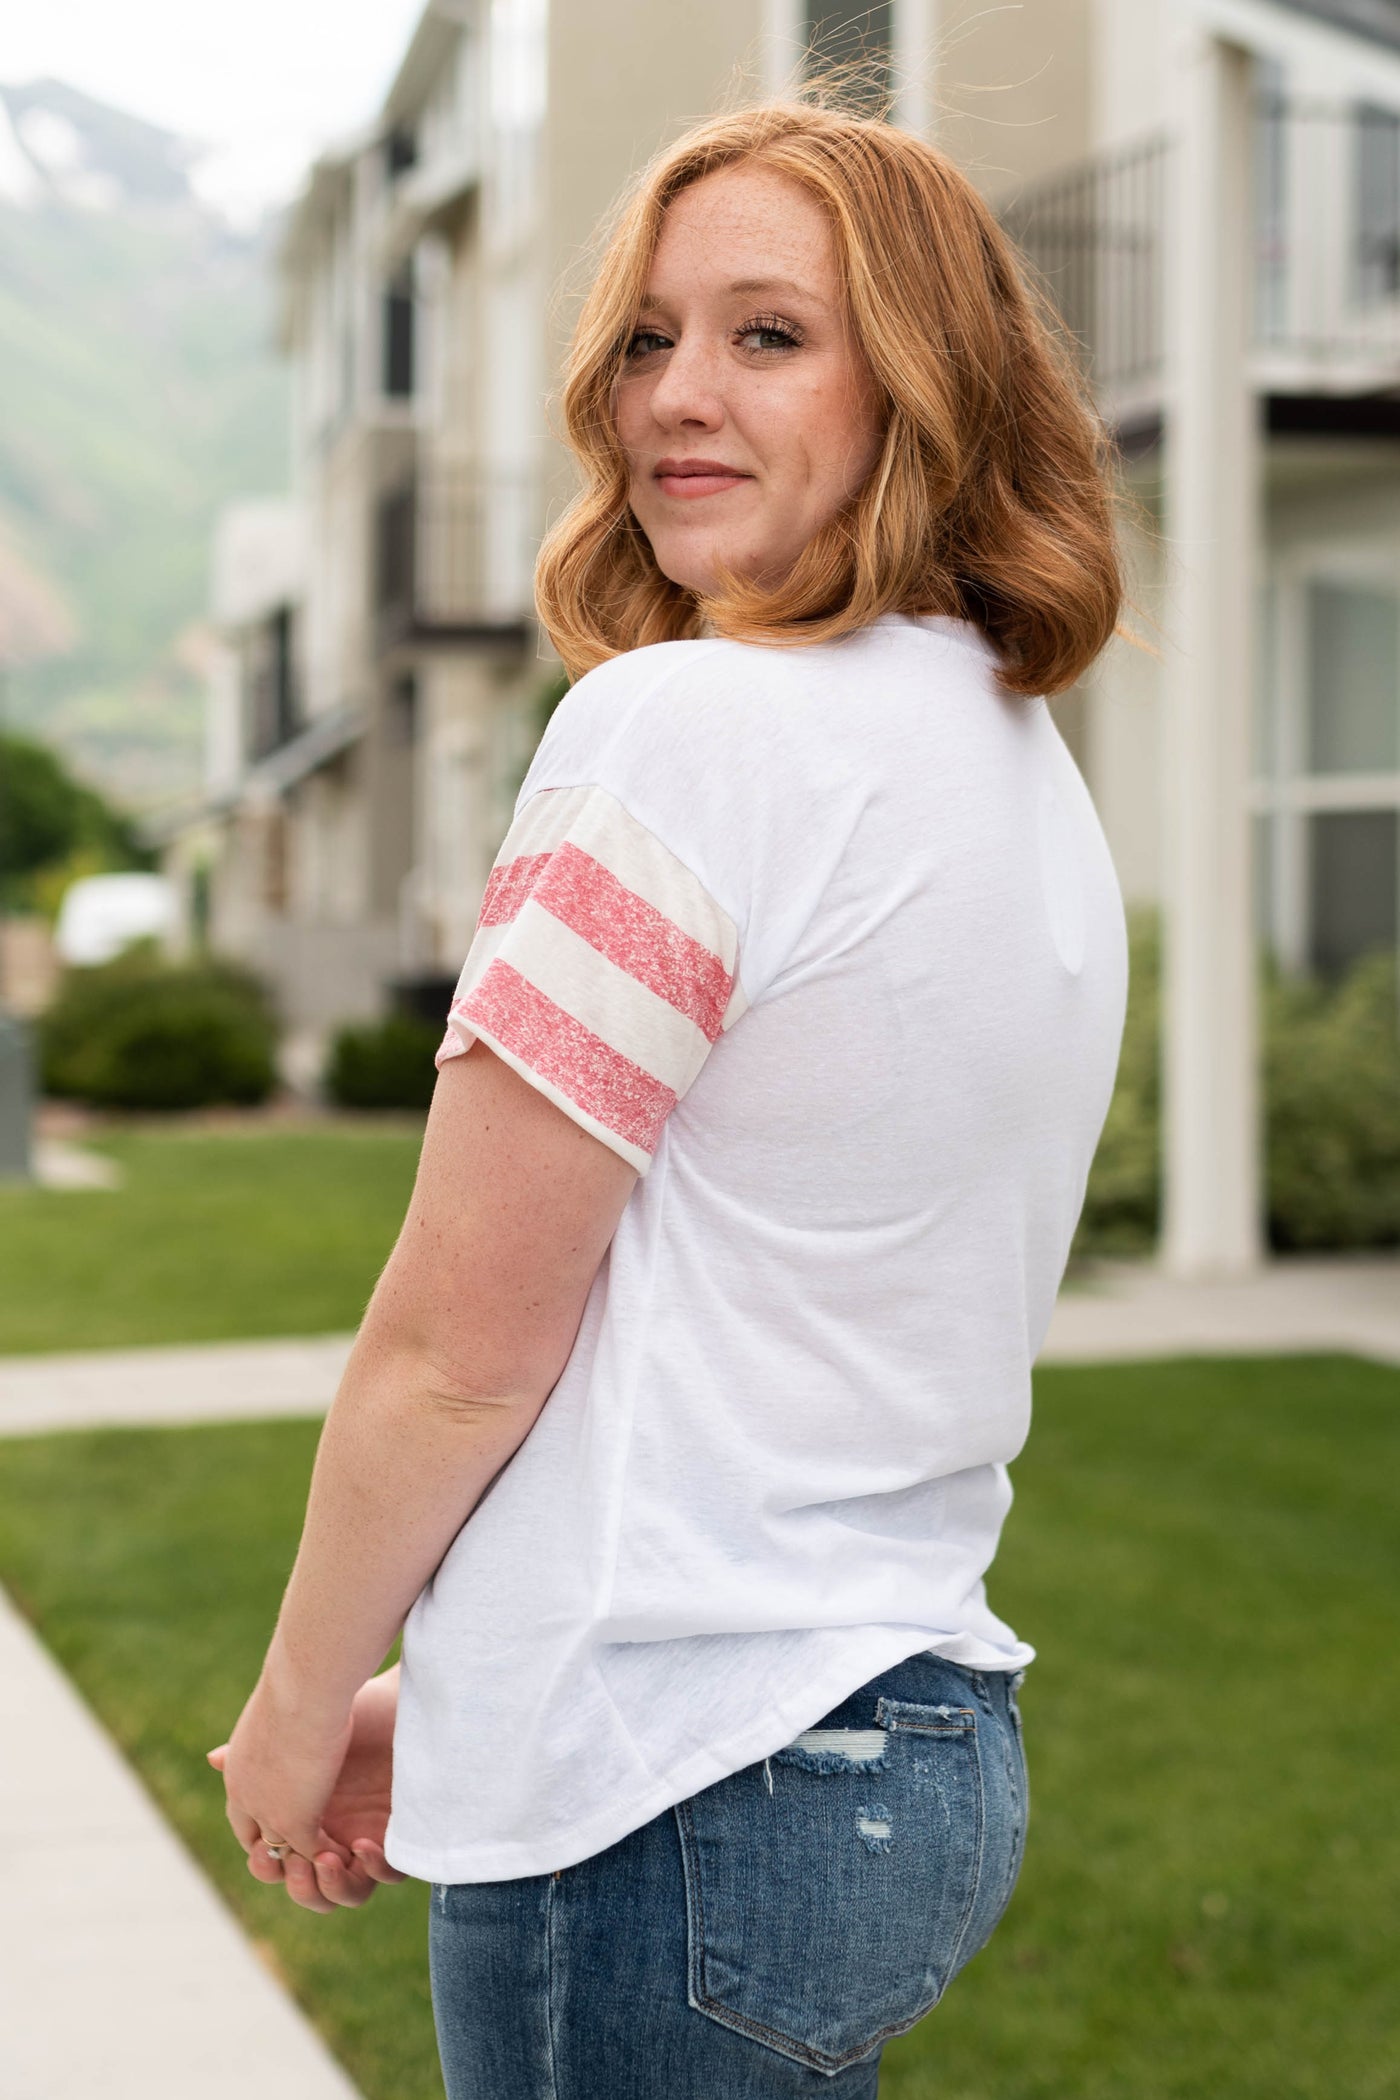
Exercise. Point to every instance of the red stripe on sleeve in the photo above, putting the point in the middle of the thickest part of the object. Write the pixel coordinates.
(600, 1080)
(508, 885)
(641, 940)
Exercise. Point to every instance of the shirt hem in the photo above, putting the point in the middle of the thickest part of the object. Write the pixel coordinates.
(517, 1861)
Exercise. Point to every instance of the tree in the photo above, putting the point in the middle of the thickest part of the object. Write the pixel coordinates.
(46, 816)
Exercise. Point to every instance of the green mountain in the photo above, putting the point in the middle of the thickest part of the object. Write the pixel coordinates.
(139, 390)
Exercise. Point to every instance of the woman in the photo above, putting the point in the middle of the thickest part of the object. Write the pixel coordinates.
(763, 1121)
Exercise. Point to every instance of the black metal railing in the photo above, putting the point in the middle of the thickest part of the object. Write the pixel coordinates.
(1325, 241)
(453, 555)
(1093, 237)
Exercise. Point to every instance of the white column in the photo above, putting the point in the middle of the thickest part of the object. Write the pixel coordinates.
(1212, 1219)
(913, 64)
(784, 40)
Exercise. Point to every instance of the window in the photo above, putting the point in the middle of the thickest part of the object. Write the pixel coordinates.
(1377, 203)
(398, 337)
(1327, 759)
(838, 34)
(401, 711)
(272, 687)
(1354, 881)
(1271, 191)
(400, 152)
(284, 695)
(1353, 721)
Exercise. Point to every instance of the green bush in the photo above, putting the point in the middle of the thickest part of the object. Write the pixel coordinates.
(384, 1064)
(1125, 1185)
(142, 1032)
(1331, 1087)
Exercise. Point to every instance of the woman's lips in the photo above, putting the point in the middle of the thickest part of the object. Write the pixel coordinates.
(707, 483)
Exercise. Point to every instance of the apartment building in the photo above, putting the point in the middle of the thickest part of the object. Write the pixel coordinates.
(1211, 190)
(1229, 252)
(382, 679)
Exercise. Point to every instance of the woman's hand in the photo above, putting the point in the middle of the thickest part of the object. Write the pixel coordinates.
(325, 1791)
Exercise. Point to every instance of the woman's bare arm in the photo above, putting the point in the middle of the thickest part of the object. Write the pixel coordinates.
(464, 1337)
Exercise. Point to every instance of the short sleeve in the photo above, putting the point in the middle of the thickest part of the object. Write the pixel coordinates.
(602, 969)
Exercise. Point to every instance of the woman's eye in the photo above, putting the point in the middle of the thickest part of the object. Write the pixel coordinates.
(643, 341)
(770, 335)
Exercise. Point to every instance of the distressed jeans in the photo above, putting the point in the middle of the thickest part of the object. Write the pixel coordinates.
(763, 1939)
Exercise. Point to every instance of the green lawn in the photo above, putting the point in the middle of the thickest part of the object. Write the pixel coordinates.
(1207, 1556)
(210, 1237)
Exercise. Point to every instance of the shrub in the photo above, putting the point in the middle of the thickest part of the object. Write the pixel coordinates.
(1124, 1193)
(384, 1064)
(1331, 1087)
(141, 1032)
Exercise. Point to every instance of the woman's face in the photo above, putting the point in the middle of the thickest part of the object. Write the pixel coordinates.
(745, 411)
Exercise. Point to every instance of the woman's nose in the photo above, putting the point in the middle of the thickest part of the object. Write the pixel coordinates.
(688, 388)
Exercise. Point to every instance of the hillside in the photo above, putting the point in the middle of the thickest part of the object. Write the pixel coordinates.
(140, 390)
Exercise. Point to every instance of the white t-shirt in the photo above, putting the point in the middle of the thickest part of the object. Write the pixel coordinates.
(827, 942)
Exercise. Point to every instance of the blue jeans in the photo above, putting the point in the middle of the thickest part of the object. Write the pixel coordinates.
(764, 1938)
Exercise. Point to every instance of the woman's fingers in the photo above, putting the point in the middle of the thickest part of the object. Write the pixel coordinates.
(320, 1841)
(322, 1885)
(348, 1887)
(300, 1878)
(371, 1858)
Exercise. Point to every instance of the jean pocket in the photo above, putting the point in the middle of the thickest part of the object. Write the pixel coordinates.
(829, 1891)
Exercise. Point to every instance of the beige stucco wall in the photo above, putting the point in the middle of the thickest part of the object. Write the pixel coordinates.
(623, 79)
(1013, 87)
(1122, 750)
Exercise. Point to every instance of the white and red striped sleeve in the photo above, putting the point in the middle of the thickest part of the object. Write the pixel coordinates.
(602, 969)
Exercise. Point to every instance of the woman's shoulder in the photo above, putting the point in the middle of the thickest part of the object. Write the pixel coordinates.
(679, 696)
(808, 719)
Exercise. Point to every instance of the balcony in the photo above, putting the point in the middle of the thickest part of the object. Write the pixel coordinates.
(1325, 298)
(453, 561)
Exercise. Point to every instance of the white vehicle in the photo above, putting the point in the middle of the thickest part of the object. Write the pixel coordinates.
(103, 914)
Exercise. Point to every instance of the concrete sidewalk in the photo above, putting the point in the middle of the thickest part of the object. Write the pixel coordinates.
(199, 1382)
(121, 1972)
(1127, 1310)
(1119, 1311)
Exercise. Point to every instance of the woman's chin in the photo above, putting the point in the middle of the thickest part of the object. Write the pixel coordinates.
(702, 574)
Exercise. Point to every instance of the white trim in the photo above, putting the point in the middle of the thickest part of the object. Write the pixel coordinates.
(1328, 791)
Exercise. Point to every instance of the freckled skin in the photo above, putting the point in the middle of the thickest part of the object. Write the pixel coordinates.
(791, 406)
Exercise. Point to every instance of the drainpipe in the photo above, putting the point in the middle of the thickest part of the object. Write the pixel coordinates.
(1212, 1223)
